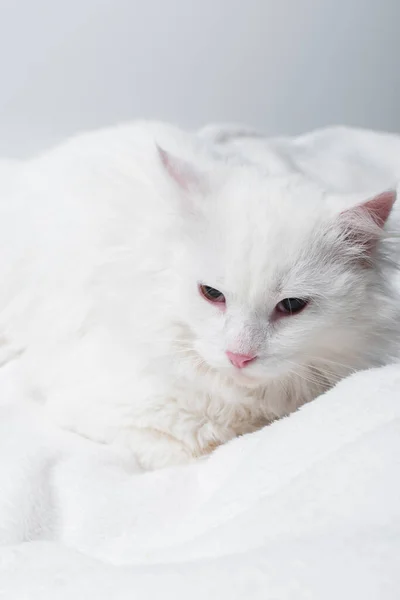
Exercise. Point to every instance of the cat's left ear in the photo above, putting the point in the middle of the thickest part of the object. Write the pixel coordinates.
(364, 223)
(180, 171)
(377, 209)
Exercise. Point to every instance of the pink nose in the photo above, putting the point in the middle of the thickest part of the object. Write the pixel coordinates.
(239, 360)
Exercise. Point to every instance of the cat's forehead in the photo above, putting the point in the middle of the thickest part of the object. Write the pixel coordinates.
(267, 213)
(261, 233)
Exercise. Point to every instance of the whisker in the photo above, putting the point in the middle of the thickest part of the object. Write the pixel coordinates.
(315, 377)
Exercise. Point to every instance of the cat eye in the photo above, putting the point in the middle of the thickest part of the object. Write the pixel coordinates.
(291, 306)
(211, 294)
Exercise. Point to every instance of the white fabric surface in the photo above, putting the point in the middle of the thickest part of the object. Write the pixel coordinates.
(308, 508)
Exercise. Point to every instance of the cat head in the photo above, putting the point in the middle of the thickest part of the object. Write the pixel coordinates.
(275, 273)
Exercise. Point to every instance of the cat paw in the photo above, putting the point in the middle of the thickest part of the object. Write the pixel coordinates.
(152, 449)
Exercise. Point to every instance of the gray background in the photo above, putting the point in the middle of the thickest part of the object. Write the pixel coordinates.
(285, 66)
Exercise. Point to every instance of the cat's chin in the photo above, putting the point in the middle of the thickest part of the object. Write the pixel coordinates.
(245, 380)
(258, 378)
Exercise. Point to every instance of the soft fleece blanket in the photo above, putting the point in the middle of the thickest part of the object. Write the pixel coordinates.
(308, 508)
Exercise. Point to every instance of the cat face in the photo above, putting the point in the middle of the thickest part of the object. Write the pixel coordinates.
(275, 275)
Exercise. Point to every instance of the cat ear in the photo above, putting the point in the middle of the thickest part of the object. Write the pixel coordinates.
(364, 223)
(378, 208)
(179, 170)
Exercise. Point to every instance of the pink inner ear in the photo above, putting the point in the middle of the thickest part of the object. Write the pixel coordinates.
(177, 169)
(379, 208)
(364, 221)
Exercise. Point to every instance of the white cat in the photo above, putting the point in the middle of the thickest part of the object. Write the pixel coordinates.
(165, 299)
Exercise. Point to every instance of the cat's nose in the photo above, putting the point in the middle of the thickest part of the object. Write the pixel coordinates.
(240, 360)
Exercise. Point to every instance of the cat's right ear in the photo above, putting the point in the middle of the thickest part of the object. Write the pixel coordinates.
(180, 171)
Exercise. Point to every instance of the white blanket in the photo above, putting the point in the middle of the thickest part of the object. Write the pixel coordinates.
(308, 508)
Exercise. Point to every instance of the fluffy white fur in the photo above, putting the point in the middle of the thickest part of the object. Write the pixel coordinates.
(103, 244)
